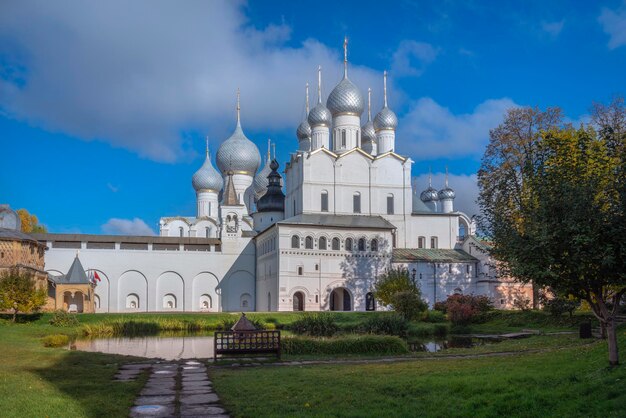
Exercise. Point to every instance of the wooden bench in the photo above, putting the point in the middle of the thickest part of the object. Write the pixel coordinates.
(246, 342)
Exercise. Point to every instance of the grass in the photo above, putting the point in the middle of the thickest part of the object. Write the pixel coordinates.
(53, 382)
(36, 381)
(572, 381)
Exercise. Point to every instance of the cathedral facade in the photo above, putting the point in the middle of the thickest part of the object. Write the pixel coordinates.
(312, 239)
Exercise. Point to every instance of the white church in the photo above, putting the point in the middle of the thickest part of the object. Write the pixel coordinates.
(346, 212)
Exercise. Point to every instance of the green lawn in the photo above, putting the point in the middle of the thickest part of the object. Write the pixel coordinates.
(569, 379)
(561, 382)
(54, 382)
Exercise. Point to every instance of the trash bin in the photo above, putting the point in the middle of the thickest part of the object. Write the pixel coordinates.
(585, 330)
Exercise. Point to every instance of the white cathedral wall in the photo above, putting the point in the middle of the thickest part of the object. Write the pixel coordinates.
(191, 277)
(325, 270)
(444, 227)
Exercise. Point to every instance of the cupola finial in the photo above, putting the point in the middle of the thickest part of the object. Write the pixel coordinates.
(207, 146)
(307, 99)
(385, 86)
(430, 178)
(345, 57)
(238, 108)
(369, 104)
(269, 146)
(446, 177)
(319, 84)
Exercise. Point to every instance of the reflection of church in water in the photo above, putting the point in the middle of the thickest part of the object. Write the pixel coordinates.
(348, 210)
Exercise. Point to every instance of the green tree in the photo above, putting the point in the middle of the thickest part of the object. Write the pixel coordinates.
(18, 292)
(562, 225)
(396, 289)
(30, 223)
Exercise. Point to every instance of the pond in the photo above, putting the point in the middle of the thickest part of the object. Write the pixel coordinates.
(167, 348)
(201, 346)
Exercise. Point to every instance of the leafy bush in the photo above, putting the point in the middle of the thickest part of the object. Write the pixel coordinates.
(392, 281)
(558, 305)
(55, 340)
(63, 318)
(315, 325)
(386, 325)
(440, 307)
(440, 330)
(465, 309)
(369, 344)
(409, 304)
(434, 316)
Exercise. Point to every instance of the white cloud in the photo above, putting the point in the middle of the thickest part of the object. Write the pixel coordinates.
(464, 186)
(614, 24)
(553, 28)
(136, 226)
(138, 74)
(113, 188)
(412, 57)
(430, 130)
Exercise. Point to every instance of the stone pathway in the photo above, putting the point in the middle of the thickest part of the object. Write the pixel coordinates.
(173, 390)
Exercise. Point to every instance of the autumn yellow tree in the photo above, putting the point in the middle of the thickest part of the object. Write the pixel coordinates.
(30, 223)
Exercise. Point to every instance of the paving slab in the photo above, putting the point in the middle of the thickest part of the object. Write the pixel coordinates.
(199, 399)
(198, 377)
(155, 400)
(196, 384)
(150, 391)
(151, 411)
(135, 366)
(201, 410)
(197, 391)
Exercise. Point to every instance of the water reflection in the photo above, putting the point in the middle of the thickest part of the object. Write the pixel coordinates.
(167, 348)
(452, 342)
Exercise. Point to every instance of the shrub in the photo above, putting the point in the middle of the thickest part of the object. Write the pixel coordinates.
(368, 344)
(63, 318)
(55, 340)
(315, 325)
(386, 325)
(434, 316)
(440, 307)
(558, 305)
(409, 304)
(465, 309)
(440, 330)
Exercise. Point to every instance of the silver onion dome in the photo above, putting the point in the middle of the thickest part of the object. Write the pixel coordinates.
(260, 182)
(429, 195)
(385, 119)
(304, 131)
(345, 98)
(207, 177)
(320, 116)
(446, 193)
(368, 134)
(238, 154)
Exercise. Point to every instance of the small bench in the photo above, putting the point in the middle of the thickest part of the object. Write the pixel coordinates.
(246, 342)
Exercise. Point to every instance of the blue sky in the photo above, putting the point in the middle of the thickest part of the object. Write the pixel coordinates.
(104, 105)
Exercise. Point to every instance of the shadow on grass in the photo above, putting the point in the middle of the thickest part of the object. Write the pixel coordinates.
(88, 379)
(21, 318)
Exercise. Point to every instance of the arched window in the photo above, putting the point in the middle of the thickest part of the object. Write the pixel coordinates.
(374, 245)
(169, 301)
(390, 204)
(181, 231)
(205, 302)
(245, 301)
(348, 244)
(433, 242)
(356, 202)
(322, 243)
(324, 201)
(300, 270)
(370, 302)
(295, 241)
(361, 244)
(335, 244)
(132, 301)
(343, 138)
(207, 232)
(308, 243)
(421, 242)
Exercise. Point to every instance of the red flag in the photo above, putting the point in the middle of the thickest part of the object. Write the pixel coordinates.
(95, 276)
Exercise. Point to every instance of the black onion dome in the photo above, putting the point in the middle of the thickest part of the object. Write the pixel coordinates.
(274, 199)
